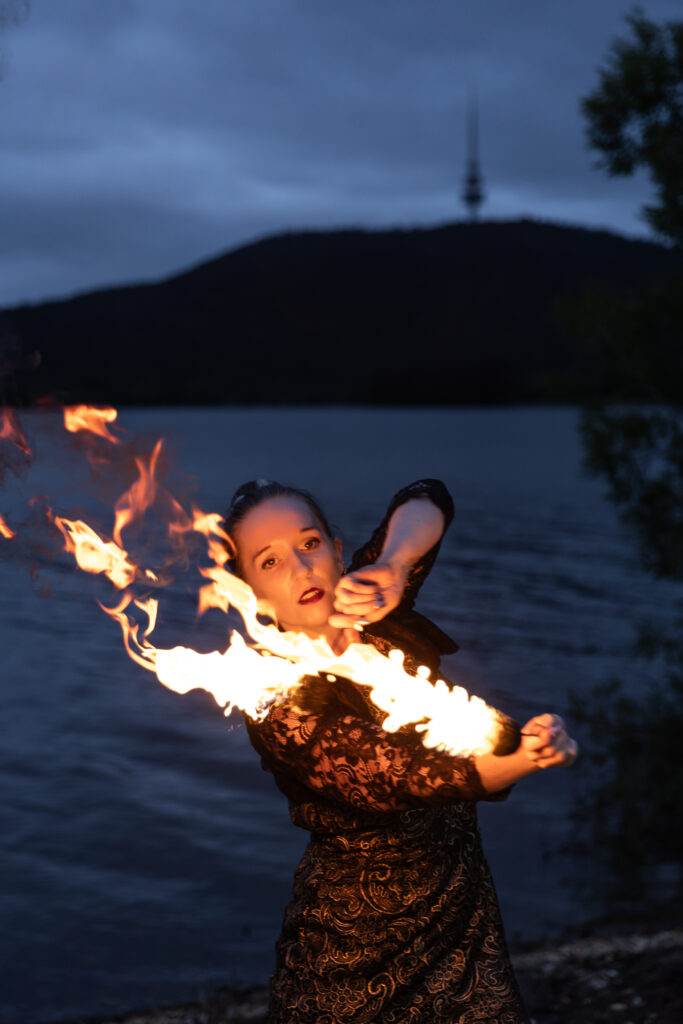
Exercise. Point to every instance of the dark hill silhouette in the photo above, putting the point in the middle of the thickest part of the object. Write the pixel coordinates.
(465, 313)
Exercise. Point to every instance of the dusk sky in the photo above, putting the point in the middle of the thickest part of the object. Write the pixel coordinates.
(139, 137)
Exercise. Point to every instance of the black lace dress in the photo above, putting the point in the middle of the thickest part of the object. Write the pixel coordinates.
(394, 916)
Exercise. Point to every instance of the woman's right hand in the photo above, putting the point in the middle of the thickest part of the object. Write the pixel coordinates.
(368, 594)
(546, 742)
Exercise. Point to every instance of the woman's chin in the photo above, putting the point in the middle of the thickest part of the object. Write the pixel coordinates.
(314, 616)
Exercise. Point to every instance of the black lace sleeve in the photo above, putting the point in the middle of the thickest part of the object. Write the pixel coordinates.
(417, 636)
(347, 759)
(437, 493)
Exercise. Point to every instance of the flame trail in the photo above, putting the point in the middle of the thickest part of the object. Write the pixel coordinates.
(5, 530)
(10, 430)
(93, 554)
(91, 419)
(269, 664)
(140, 495)
(249, 678)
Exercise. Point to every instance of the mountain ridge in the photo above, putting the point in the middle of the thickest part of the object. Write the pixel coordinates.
(455, 314)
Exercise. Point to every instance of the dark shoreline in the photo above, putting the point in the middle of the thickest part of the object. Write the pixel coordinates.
(625, 977)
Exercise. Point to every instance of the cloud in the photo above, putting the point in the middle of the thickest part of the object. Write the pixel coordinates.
(140, 136)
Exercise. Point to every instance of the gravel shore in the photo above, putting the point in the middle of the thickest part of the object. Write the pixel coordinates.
(633, 979)
(626, 979)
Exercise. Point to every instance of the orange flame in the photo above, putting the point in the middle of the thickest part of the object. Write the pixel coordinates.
(140, 495)
(217, 540)
(90, 418)
(139, 650)
(249, 677)
(144, 491)
(93, 554)
(10, 430)
(5, 531)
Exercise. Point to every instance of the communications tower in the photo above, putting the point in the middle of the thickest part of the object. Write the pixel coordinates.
(473, 188)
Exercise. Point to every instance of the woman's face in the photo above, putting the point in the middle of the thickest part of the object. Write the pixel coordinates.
(287, 558)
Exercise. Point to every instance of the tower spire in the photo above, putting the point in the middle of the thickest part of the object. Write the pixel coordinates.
(473, 188)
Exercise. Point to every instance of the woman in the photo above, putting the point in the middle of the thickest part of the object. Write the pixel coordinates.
(394, 916)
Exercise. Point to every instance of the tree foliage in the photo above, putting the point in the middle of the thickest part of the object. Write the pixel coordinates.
(627, 806)
(635, 116)
(627, 812)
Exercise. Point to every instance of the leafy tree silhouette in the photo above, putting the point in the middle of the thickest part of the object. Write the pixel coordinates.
(627, 809)
(635, 116)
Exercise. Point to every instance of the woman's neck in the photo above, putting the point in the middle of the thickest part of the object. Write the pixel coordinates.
(337, 639)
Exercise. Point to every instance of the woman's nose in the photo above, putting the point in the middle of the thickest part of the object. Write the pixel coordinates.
(301, 562)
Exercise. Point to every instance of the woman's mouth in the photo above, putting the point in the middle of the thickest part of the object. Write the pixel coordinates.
(311, 595)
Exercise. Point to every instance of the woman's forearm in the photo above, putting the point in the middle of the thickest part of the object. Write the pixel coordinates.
(498, 773)
(371, 592)
(414, 528)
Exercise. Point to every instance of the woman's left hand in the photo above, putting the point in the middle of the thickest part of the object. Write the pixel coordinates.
(368, 594)
(546, 742)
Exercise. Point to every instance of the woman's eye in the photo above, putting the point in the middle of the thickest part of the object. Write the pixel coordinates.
(311, 543)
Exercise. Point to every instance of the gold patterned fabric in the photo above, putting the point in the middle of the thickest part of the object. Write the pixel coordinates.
(393, 917)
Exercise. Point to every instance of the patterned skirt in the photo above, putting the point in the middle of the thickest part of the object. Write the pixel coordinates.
(396, 925)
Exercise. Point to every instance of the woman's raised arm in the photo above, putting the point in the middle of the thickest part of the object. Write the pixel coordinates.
(369, 593)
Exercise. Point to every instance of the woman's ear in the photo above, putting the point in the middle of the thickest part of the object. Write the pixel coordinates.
(339, 553)
(230, 545)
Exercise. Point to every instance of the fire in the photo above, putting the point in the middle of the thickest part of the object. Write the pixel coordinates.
(146, 491)
(269, 664)
(93, 554)
(90, 418)
(139, 650)
(10, 430)
(246, 678)
(5, 531)
(249, 677)
(137, 499)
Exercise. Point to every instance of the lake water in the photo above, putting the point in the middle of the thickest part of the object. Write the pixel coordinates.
(145, 857)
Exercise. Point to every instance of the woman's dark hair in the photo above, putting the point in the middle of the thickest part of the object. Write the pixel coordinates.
(251, 494)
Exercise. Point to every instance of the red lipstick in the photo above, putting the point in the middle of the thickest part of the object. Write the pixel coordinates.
(311, 595)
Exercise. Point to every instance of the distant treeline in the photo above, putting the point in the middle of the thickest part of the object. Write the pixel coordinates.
(460, 314)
